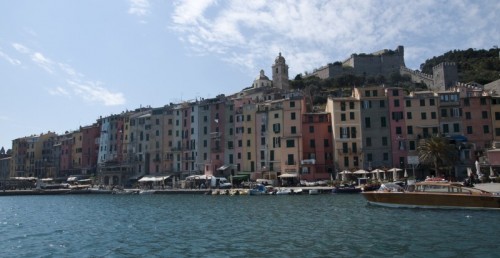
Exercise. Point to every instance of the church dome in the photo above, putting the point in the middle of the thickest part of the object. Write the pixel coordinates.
(280, 58)
(262, 76)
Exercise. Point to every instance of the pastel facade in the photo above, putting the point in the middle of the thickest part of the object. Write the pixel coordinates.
(317, 155)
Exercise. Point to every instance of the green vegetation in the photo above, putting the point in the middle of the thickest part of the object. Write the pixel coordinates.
(481, 66)
(436, 151)
(341, 86)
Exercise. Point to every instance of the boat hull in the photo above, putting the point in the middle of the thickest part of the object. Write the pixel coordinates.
(432, 200)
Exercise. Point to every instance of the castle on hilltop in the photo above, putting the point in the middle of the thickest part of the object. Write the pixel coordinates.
(384, 62)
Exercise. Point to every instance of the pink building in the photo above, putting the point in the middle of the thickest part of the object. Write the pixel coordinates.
(317, 141)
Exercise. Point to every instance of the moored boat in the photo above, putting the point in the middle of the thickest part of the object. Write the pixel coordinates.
(346, 189)
(442, 195)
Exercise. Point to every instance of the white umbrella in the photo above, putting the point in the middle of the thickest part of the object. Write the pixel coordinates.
(492, 173)
(344, 173)
(478, 168)
(406, 174)
(377, 172)
(469, 172)
(395, 173)
(361, 172)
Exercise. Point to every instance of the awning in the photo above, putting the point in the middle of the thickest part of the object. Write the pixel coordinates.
(153, 178)
(241, 176)
(224, 167)
(72, 179)
(288, 175)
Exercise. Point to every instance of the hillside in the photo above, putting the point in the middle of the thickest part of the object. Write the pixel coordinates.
(482, 66)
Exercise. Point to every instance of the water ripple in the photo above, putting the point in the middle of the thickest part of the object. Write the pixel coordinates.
(237, 226)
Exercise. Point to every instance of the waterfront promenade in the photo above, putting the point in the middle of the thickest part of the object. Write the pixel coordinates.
(490, 187)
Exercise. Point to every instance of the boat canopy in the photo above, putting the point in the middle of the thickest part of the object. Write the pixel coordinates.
(288, 175)
(153, 178)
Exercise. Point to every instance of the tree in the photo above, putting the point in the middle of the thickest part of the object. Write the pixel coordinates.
(436, 151)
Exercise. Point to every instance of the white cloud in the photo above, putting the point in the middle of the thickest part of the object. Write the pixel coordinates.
(94, 92)
(43, 62)
(9, 59)
(59, 91)
(139, 7)
(311, 33)
(21, 48)
(89, 90)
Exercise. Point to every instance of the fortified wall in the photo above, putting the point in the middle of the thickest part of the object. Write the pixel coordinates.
(444, 76)
(383, 62)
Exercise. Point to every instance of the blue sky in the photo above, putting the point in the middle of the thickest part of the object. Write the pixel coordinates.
(65, 63)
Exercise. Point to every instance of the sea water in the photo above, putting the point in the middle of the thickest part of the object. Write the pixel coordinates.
(323, 225)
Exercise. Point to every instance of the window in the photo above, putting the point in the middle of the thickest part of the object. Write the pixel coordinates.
(456, 127)
(311, 129)
(398, 130)
(343, 117)
(385, 156)
(469, 129)
(483, 101)
(290, 143)
(382, 103)
(312, 143)
(408, 103)
(486, 129)
(423, 115)
(342, 106)
(444, 112)
(446, 128)
(293, 129)
(395, 93)
(292, 104)
(484, 114)
(468, 115)
(367, 93)
(345, 147)
(497, 131)
(408, 115)
(326, 143)
(409, 129)
(384, 141)
(367, 104)
(433, 115)
(346, 161)
(368, 141)
(396, 102)
(367, 122)
(432, 102)
(369, 157)
(383, 122)
(412, 145)
(375, 93)
(344, 132)
(351, 105)
(292, 116)
(351, 115)
(497, 115)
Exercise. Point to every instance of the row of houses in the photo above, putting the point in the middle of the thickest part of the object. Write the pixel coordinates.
(268, 131)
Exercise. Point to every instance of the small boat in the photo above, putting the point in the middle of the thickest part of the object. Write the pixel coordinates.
(313, 191)
(147, 191)
(346, 189)
(429, 194)
(259, 189)
(283, 191)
